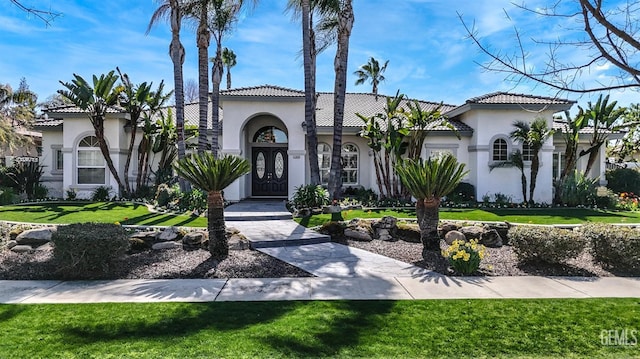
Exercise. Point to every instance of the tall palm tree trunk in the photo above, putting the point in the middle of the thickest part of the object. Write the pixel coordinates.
(216, 78)
(177, 53)
(428, 215)
(345, 24)
(127, 163)
(203, 79)
(104, 149)
(218, 245)
(535, 167)
(308, 50)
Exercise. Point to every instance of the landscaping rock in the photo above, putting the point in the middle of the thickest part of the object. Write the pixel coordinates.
(169, 234)
(472, 232)
(358, 233)
(194, 240)
(447, 227)
(21, 248)
(491, 239)
(386, 222)
(11, 244)
(147, 236)
(408, 233)
(44, 247)
(454, 236)
(238, 242)
(36, 237)
(384, 234)
(166, 245)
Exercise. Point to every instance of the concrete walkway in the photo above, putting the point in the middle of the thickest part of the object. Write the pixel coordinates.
(341, 272)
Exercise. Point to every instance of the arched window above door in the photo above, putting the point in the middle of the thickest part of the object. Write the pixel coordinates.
(270, 134)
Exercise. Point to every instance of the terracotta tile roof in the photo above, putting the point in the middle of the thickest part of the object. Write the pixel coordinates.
(191, 114)
(517, 99)
(47, 122)
(560, 126)
(262, 91)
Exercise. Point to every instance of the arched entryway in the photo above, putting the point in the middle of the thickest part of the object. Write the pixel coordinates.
(269, 174)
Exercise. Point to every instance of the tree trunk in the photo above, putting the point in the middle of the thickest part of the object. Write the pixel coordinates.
(523, 180)
(308, 50)
(127, 163)
(203, 80)
(176, 51)
(216, 77)
(535, 166)
(107, 157)
(228, 77)
(218, 244)
(593, 155)
(428, 215)
(345, 24)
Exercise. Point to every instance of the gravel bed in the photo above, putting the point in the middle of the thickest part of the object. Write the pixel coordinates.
(178, 263)
(497, 262)
(164, 264)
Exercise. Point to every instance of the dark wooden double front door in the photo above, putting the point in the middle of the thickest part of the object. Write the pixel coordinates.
(269, 171)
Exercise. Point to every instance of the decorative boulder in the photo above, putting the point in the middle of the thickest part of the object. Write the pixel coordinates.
(169, 234)
(45, 247)
(166, 245)
(472, 232)
(35, 237)
(384, 234)
(147, 236)
(11, 244)
(491, 239)
(453, 236)
(358, 233)
(386, 222)
(447, 227)
(21, 248)
(194, 240)
(238, 242)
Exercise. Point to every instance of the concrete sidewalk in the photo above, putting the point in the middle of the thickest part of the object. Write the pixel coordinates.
(428, 286)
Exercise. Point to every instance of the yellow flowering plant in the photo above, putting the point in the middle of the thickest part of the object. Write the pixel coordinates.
(465, 257)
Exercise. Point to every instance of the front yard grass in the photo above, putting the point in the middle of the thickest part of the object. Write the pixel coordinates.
(567, 328)
(514, 215)
(103, 212)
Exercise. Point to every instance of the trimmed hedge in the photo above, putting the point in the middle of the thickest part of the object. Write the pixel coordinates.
(545, 244)
(614, 246)
(88, 250)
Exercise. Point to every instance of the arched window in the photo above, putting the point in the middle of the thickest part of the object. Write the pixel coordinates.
(324, 161)
(270, 134)
(527, 152)
(91, 164)
(500, 149)
(349, 164)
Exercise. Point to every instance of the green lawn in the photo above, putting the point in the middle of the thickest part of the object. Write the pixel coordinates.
(109, 212)
(523, 215)
(567, 328)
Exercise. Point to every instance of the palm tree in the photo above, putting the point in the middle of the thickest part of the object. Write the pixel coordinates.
(95, 100)
(213, 175)
(345, 24)
(171, 10)
(134, 100)
(305, 10)
(229, 61)
(604, 117)
(428, 182)
(373, 72)
(515, 161)
(533, 135)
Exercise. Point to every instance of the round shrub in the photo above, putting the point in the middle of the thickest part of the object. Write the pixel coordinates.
(164, 194)
(88, 250)
(545, 244)
(614, 246)
(310, 196)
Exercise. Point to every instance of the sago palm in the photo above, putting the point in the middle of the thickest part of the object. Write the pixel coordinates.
(213, 175)
(428, 182)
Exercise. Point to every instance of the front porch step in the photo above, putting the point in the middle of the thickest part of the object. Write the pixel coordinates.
(277, 233)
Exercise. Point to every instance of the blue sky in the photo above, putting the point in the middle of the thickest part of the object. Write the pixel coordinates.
(429, 56)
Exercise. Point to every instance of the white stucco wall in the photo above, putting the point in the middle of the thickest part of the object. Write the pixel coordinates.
(492, 124)
(242, 117)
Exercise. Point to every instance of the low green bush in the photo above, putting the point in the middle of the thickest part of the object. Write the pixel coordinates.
(614, 246)
(310, 196)
(7, 195)
(545, 244)
(164, 194)
(101, 194)
(88, 250)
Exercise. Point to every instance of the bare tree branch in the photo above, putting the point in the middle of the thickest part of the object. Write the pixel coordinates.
(608, 34)
(47, 16)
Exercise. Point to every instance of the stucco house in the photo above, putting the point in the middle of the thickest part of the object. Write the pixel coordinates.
(265, 125)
